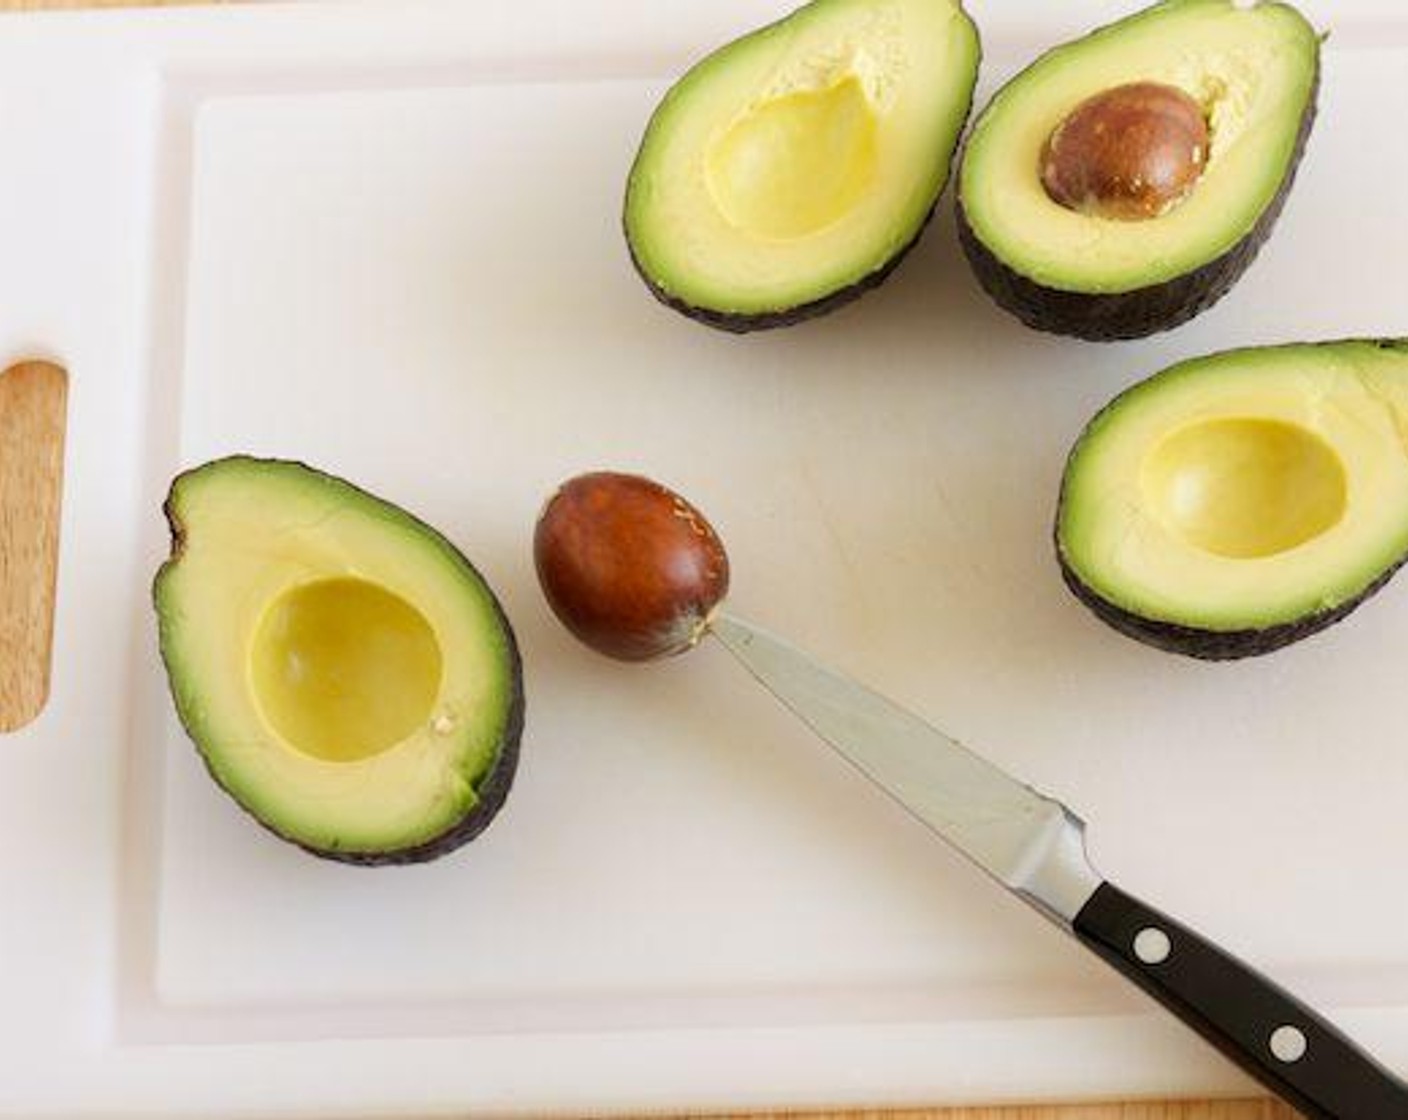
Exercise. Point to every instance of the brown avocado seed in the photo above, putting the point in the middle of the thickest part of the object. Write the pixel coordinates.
(630, 567)
(1131, 153)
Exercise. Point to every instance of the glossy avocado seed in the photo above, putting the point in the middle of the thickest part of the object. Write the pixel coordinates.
(630, 567)
(1130, 153)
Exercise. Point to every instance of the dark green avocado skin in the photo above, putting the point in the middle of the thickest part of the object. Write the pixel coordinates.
(1213, 645)
(494, 787)
(1195, 641)
(1143, 311)
(492, 792)
(746, 323)
(739, 323)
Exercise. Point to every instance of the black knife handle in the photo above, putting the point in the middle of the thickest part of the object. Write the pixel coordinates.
(1277, 1039)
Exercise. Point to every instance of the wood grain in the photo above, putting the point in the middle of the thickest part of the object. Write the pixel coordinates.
(33, 400)
(1169, 1110)
(70, 5)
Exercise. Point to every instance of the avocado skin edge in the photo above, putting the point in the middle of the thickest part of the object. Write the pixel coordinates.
(493, 791)
(745, 323)
(1111, 317)
(1214, 645)
(494, 788)
(739, 322)
(1195, 641)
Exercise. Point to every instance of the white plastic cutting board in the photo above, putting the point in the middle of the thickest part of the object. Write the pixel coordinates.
(384, 238)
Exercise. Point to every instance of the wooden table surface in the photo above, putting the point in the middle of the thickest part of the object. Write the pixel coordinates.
(1150, 1110)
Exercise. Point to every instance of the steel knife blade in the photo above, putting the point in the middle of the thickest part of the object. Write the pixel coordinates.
(1029, 842)
(1035, 847)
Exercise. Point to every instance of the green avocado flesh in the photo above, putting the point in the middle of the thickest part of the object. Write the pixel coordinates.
(793, 167)
(1236, 503)
(1254, 68)
(346, 674)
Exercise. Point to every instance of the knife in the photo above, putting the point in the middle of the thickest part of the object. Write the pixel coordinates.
(1035, 847)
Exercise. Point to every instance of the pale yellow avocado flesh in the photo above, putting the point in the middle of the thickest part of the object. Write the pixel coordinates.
(1244, 490)
(345, 674)
(798, 160)
(343, 669)
(1253, 68)
(795, 164)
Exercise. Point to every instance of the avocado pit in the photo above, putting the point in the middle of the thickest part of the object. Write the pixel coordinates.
(1129, 154)
(629, 566)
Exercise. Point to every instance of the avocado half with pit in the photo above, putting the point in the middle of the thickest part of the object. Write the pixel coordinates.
(790, 171)
(346, 674)
(1064, 266)
(1236, 503)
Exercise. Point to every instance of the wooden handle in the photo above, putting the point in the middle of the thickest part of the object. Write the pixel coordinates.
(33, 406)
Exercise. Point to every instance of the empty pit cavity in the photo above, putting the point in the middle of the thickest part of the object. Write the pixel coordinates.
(1245, 489)
(797, 163)
(344, 670)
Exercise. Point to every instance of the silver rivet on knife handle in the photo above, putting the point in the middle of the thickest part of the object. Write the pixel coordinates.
(1036, 847)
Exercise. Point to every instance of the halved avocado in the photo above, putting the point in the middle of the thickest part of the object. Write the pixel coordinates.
(789, 171)
(1254, 68)
(1236, 503)
(348, 677)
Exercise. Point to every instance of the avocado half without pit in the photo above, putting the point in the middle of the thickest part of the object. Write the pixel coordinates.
(346, 674)
(789, 171)
(1236, 503)
(1123, 182)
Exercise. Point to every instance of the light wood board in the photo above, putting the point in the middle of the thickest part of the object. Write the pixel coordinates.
(1151, 1110)
(32, 405)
